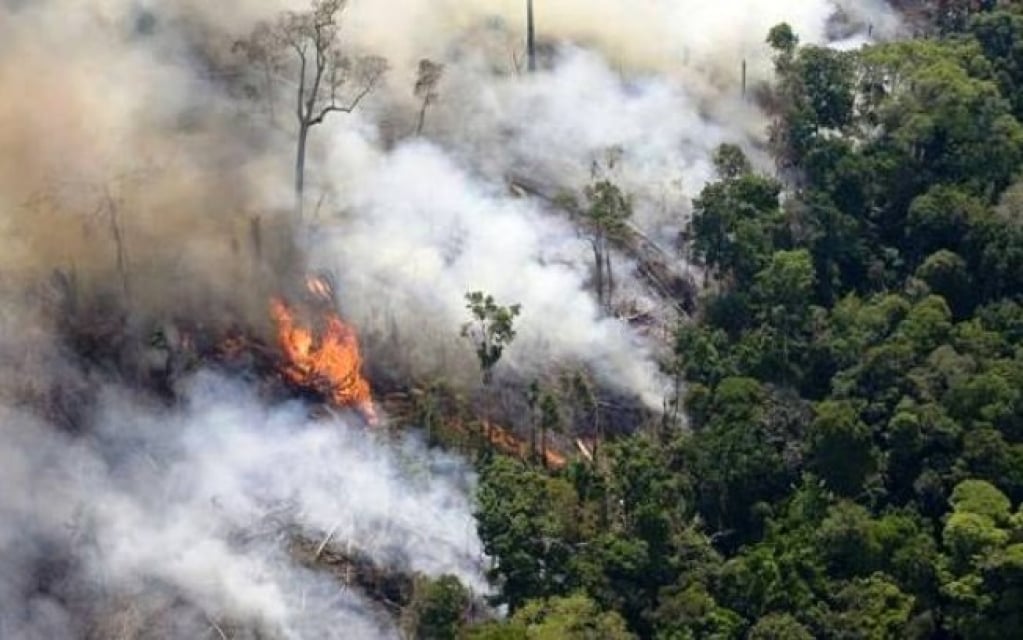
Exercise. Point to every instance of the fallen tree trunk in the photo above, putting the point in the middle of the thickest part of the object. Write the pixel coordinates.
(655, 266)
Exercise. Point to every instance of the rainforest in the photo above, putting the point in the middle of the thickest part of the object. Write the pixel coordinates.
(511, 319)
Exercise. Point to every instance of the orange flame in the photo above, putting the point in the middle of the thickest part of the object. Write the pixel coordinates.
(510, 444)
(330, 365)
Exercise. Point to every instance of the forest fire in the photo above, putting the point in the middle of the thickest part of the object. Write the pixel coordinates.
(329, 364)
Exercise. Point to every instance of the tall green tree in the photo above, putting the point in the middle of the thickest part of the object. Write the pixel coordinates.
(605, 218)
(842, 447)
(438, 608)
(736, 226)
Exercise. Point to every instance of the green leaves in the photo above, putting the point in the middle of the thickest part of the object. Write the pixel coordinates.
(605, 222)
(782, 38)
(736, 224)
(731, 162)
(570, 618)
(981, 498)
(779, 626)
(985, 572)
(872, 607)
(784, 289)
(854, 379)
(525, 521)
(954, 128)
(842, 448)
(491, 329)
(1000, 35)
(438, 607)
(608, 207)
(827, 78)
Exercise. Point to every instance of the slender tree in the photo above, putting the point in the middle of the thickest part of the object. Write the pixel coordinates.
(429, 76)
(550, 420)
(304, 49)
(530, 37)
(491, 329)
(533, 400)
(604, 220)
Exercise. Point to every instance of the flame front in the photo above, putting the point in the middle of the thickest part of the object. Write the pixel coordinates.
(330, 365)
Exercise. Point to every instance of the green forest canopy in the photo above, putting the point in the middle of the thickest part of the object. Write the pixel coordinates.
(854, 383)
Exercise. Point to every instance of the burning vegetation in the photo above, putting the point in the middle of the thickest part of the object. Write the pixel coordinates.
(326, 361)
(162, 481)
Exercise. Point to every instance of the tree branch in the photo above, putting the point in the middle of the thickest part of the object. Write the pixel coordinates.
(344, 109)
(301, 82)
(320, 42)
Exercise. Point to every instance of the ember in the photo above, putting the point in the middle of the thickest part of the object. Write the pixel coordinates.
(329, 364)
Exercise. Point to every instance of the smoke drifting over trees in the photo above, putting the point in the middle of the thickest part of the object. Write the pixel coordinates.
(145, 115)
(194, 503)
(145, 180)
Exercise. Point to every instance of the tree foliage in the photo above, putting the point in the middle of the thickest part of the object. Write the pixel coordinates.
(491, 329)
(605, 218)
(853, 380)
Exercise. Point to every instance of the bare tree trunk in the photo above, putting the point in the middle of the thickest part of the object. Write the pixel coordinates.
(303, 135)
(270, 92)
(543, 445)
(744, 78)
(678, 395)
(122, 255)
(598, 262)
(256, 238)
(530, 37)
(422, 117)
(532, 434)
(610, 279)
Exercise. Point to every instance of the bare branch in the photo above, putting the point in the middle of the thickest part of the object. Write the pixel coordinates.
(326, 541)
(331, 108)
(372, 70)
(306, 44)
(215, 627)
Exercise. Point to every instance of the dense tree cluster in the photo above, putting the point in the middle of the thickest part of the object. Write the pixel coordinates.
(853, 466)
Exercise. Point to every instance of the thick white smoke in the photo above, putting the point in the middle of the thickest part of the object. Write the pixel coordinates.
(146, 134)
(202, 499)
(659, 35)
(657, 82)
(427, 232)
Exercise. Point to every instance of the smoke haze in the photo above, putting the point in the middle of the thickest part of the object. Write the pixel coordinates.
(200, 501)
(135, 166)
(133, 162)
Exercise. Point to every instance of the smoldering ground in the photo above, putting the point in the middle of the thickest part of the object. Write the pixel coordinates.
(197, 503)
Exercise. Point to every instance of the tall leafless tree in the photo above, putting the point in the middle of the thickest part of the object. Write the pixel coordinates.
(303, 50)
(530, 37)
(426, 88)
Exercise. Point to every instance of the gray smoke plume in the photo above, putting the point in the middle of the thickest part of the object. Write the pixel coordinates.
(655, 85)
(198, 501)
(136, 164)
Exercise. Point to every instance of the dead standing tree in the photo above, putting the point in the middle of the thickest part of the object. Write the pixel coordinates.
(427, 79)
(303, 49)
(107, 204)
(530, 37)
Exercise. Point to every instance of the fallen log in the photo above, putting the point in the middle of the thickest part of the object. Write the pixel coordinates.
(655, 266)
